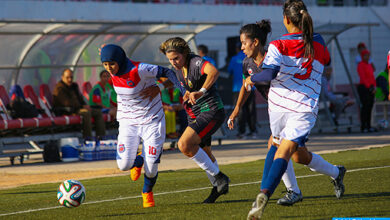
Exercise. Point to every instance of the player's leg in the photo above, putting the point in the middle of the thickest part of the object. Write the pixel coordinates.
(213, 196)
(200, 129)
(127, 147)
(318, 164)
(153, 136)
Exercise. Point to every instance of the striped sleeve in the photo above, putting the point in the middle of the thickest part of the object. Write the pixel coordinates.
(148, 70)
(273, 59)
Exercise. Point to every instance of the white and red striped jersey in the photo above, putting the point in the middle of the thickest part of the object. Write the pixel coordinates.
(297, 85)
(131, 106)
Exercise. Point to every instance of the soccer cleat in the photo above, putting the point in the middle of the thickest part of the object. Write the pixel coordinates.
(338, 182)
(290, 198)
(222, 183)
(135, 173)
(213, 196)
(258, 207)
(148, 200)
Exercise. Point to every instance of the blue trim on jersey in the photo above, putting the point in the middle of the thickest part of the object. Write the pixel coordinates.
(274, 67)
(298, 36)
(301, 140)
(264, 76)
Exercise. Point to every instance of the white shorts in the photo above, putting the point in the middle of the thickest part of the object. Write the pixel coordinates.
(292, 126)
(152, 135)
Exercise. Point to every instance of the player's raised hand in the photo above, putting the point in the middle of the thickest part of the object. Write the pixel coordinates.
(150, 92)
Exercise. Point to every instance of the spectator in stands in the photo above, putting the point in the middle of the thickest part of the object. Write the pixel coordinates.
(366, 90)
(338, 103)
(67, 100)
(248, 113)
(203, 50)
(362, 46)
(103, 96)
(382, 85)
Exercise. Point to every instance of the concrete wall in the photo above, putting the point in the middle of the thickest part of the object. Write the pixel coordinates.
(377, 38)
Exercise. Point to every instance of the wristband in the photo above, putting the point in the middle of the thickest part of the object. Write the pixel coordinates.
(161, 86)
(204, 90)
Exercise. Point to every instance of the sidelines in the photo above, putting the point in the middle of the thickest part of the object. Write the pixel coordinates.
(178, 191)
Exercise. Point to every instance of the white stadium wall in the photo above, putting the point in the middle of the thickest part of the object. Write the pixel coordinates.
(376, 38)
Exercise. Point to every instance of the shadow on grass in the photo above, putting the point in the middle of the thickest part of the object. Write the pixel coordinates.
(350, 196)
(31, 192)
(123, 214)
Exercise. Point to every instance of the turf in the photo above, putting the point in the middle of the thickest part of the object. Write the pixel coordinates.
(367, 194)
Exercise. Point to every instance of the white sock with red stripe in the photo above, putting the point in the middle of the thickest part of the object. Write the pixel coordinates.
(318, 164)
(289, 179)
(204, 162)
(212, 178)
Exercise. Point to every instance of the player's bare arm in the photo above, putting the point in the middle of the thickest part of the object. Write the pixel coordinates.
(212, 76)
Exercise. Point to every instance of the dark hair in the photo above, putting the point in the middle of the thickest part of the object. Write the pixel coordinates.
(203, 48)
(296, 12)
(259, 30)
(102, 72)
(175, 44)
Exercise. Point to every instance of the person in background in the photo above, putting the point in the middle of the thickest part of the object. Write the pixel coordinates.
(248, 113)
(67, 100)
(366, 90)
(203, 50)
(360, 47)
(339, 103)
(382, 85)
(103, 96)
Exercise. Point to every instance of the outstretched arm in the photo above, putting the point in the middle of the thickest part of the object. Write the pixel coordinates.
(168, 73)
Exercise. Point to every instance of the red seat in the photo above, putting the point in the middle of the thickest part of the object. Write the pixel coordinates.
(47, 99)
(86, 87)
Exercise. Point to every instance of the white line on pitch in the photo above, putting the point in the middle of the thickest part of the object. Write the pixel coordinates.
(178, 191)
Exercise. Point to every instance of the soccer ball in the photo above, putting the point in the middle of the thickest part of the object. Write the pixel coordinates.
(383, 124)
(71, 193)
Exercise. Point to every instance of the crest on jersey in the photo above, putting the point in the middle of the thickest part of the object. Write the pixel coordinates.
(181, 83)
(250, 71)
(190, 84)
(121, 148)
(198, 62)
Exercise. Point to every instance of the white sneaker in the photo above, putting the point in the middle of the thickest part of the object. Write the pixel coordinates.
(258, 207)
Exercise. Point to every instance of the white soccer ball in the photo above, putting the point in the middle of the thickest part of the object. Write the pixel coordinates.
(71, 193)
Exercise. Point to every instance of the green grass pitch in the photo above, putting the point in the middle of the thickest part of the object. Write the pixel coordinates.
(178, 194)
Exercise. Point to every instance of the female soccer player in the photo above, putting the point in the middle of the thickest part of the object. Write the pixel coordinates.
(294, 65)
(204, 108)
(253, 39)
(138, 116)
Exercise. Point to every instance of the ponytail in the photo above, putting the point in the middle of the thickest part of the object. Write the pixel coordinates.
(307, 33)
(296, 12)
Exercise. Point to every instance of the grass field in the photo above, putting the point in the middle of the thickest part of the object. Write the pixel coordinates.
(178, 194)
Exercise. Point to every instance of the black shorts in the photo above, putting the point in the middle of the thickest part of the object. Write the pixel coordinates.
(206, 124)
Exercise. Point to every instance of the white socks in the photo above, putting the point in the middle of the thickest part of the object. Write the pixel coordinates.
(318, 164)
(212, 178)
(204, 162)
(289, 179)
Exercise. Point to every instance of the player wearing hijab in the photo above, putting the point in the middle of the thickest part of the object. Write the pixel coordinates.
(294, 64)
(140, 116)
(204, 108)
